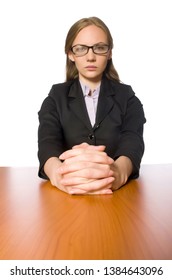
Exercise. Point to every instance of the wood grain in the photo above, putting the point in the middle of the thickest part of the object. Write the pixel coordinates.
(38, 221)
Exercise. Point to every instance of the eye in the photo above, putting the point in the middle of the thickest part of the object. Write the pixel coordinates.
(79, 49)
(101, 48)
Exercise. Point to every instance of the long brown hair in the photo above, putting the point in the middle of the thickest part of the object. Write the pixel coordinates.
(71, 70)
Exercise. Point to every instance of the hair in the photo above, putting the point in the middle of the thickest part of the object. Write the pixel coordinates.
(71, 70)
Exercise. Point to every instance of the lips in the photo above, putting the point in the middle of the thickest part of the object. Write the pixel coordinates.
(91, 67)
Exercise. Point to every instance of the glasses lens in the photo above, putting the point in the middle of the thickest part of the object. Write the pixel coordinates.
(79, 50)
(100, 49)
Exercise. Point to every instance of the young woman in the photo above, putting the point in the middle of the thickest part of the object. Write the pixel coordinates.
(90, 134)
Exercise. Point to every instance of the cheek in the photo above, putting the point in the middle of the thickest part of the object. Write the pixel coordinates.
(78, 63)
(103, 63)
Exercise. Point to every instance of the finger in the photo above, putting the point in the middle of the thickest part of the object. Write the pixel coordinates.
(71, 153)
(80, 150)
(78, 166)
(91, 147)
(75, 181)
(82, 145)
(94, 157)
(108, 190)
(89, 157)
(103, 191)
(77, 176)
(96, 148)
(88, 184)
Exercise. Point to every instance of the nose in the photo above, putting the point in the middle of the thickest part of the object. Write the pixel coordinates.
(91, 55)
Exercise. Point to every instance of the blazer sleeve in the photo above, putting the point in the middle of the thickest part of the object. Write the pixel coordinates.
(50, 136)
(131, 142)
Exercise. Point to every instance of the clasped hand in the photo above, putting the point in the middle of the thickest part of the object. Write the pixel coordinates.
(86, 169)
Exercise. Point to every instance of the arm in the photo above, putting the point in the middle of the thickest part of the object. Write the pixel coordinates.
(131, 143)
(50, 136)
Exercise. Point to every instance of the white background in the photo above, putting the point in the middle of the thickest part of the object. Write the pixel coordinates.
(32, 36)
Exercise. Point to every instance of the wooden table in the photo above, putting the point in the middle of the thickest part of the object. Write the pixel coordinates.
(38, 221)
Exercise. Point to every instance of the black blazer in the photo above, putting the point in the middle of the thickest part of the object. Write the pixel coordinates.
(64, 122)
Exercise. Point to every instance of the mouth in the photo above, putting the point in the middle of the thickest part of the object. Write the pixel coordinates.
(91, 67)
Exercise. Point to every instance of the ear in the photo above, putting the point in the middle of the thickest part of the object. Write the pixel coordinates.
(70, 56)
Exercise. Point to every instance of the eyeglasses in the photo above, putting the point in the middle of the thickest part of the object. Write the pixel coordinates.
(80, 50)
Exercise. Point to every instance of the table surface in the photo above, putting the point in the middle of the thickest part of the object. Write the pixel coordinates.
(40, 222)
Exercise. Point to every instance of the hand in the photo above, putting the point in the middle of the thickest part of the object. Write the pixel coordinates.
(86, 169)
(50, 168)
(54, 169)
(122, 168)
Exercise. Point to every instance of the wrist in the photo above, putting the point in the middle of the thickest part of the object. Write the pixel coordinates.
(51, 164)
(122, 168)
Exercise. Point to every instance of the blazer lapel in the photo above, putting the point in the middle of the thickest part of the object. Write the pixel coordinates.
(77, 103)
(105, 102)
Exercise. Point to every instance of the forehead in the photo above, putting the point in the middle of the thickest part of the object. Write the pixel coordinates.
(90, 35)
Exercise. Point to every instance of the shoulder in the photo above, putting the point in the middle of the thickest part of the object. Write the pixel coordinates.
(61, 88)
(122, 90)
(124, 93)
(118, 89)
(125, 96)
(57, 95)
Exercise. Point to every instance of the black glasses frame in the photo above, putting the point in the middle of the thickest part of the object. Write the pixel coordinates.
(91, 47)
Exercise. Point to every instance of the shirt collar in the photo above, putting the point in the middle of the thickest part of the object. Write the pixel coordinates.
(86, 90)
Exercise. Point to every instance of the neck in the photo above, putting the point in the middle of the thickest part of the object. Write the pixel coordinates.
(91, 83)
(91, 86)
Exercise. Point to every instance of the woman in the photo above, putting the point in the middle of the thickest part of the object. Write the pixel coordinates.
(91, 126)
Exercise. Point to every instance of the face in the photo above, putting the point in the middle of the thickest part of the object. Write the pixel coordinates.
(90, 66)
